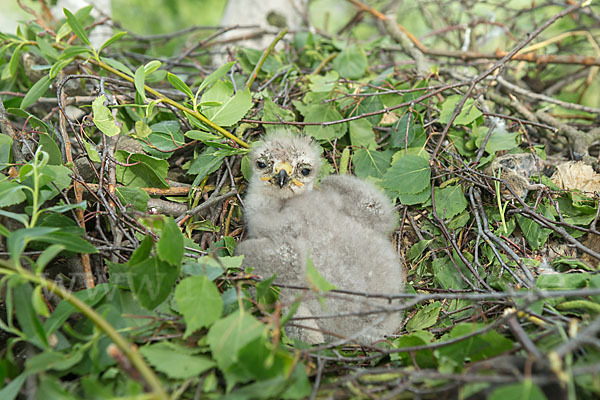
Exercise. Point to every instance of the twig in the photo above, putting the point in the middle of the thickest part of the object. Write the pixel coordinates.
(263, 58)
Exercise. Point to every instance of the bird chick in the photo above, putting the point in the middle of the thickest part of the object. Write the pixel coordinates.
(342, 226)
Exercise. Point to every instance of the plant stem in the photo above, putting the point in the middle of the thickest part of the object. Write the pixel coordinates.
(36, 190)
(263, 58)
(129, 350)
(175, 104)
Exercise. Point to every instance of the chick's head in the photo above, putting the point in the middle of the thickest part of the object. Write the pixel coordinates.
(285, 165)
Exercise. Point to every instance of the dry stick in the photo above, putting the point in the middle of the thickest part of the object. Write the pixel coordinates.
(419, 99)
(548, 99)
(77, 187)
(263, 58)
(172, 191)
(522, 337)
(458, 251)
(553, 225)
(473, 55)
(589, 332)
(127, 348)
(569, 59)
(486, 238)
(497, 65)
(208, 203)
(495, 239)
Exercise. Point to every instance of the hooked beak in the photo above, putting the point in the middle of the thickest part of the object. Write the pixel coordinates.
(282, 173)
(282, 178)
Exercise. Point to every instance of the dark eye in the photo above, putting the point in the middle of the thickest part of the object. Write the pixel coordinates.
(305, 171)
(261, 164)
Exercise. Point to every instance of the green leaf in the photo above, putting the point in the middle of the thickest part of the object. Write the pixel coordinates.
(475, 348)
(138, 81)
(324, 113)
(11, 193)
(212, 266)
(12, 389)
(526, 390)
(19, 239)
(142, 130)
(449, 201)
(22, 218)
(152, 281)
(72, 51)
(179, 84)
(316, 280)
(47, 50)
(103, 118)
(562, 281)
(498, 141)
(229, 335)
(204, 137)
(13, 64)
(215, 76)
(142, 253)
(5, 153)
(170, 244)
(28, 320)
(351, 63)
(425, 318)
(151, 66)
(206, 163)
(272, 112)
(59, 66)
(71, 242)
(404, 131)
(323, 83)
(415, 198)
(36, 91)
(446, 275)
(47, 144)
(119, 66)
(371, 163)
(535, 235)
(367, 105)
(54, 360)
(361, 134)
(134, 196)
(176, 361)
(76, 27)
(47, 255)
(423, 358)
(232, 109)
(113, 39)
(39, 305)
(410, 174)
(192, 292)
(468, 114)
(165, 138)
(258, 360)
(142, 170)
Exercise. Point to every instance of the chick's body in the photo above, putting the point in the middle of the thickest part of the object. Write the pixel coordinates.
(342, 226)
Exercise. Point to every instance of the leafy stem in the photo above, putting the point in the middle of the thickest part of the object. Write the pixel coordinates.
(129, 350)
(36, 186)
(263, 58)
(175, 104)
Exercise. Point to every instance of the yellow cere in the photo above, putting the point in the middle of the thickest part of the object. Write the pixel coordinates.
(283, 165)
(297, 182)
